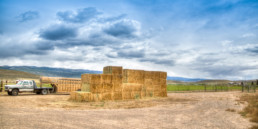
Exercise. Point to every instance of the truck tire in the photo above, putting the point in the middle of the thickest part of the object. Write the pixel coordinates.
(9, 93)
(38, 92)
(44, 92)
(15, 92)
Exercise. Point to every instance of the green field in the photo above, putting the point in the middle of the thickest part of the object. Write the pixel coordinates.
(198, 87)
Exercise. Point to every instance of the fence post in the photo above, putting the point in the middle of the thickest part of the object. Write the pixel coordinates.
(2, 86)
(205, 88)
(242, 86)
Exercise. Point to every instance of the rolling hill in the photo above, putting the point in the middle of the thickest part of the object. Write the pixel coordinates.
(51, 72)
(75, 73)
(14, 75)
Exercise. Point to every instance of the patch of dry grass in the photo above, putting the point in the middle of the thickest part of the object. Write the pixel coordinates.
(230, 110)
(251, 110)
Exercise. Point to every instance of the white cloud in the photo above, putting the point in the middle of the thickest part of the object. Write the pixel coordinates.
(246, 35)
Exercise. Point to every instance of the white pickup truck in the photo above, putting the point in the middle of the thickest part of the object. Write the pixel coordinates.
(28, 86)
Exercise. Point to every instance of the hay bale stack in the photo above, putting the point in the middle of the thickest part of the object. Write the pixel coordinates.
(49, 79)
(63, 84)
(85, 82)
(68, 84)
(113, 70)
(118, 84)
(133, 76)
(81, 96)
(155, 84)
(132, 91)
(97, 97)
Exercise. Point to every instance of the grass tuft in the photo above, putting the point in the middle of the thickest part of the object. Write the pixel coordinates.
(251, 110)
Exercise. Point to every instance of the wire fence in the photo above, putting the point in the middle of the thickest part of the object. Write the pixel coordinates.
(244, 87)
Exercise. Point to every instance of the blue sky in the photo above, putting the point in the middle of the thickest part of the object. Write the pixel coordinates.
(201, 38)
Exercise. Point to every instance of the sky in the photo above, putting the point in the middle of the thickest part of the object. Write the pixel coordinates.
(186, 38)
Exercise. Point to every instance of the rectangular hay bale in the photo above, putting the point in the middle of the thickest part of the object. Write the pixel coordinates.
(113, 70)
(133, 76)
(117, 96)
(96, 88)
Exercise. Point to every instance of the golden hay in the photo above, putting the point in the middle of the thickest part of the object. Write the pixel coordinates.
(117, 84)
(106, 78)
(96, 88)
(107, 87)
(81, 96)
(113, 70)
(117, 79)
(117, 96)
(133, 76)
(85, 87)
(107, 96)
(97, 97)
(117, 87)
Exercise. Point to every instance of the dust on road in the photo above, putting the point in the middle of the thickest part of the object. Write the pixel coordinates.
(178, 110)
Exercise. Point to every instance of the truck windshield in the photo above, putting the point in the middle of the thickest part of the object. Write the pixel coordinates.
(20, 83)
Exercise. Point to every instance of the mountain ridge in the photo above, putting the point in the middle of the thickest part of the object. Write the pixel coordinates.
(75, 73)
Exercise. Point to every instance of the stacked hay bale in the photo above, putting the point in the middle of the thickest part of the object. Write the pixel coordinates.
(116, 72)
(118, 84)
(133, 83)
(106, 86)
(155, 84)
(63, 84)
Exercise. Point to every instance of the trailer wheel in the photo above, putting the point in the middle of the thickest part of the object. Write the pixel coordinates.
(15, 92)
(9, 93)
(44, 92)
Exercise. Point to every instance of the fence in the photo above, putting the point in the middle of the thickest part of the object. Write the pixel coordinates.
(202, 88)
(244, 87)
(5, 82)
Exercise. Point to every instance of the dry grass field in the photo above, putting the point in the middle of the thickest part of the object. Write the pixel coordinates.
(178, 110)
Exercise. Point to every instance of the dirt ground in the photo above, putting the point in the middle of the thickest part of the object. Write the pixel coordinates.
(177, 111)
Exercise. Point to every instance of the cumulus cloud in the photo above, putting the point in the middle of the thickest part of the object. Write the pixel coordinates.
(21, 49)
(253, 49)
(58, 32)
(80, 16)
(167, 62)
(27, 16)
(112, 18)
(123, 29)
(131, 54)
(248, 35)
(183, 47)
(219, 71)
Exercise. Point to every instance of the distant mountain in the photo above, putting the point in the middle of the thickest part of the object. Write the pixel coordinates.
(75, 73)
(51, 72)
(182, 79)
(15, 75)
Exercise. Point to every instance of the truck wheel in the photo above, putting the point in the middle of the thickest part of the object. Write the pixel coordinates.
(9, 93)
(38, 92)
(15, 92)
(44, 92)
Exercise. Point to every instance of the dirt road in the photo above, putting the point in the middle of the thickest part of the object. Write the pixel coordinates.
(177, 111)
